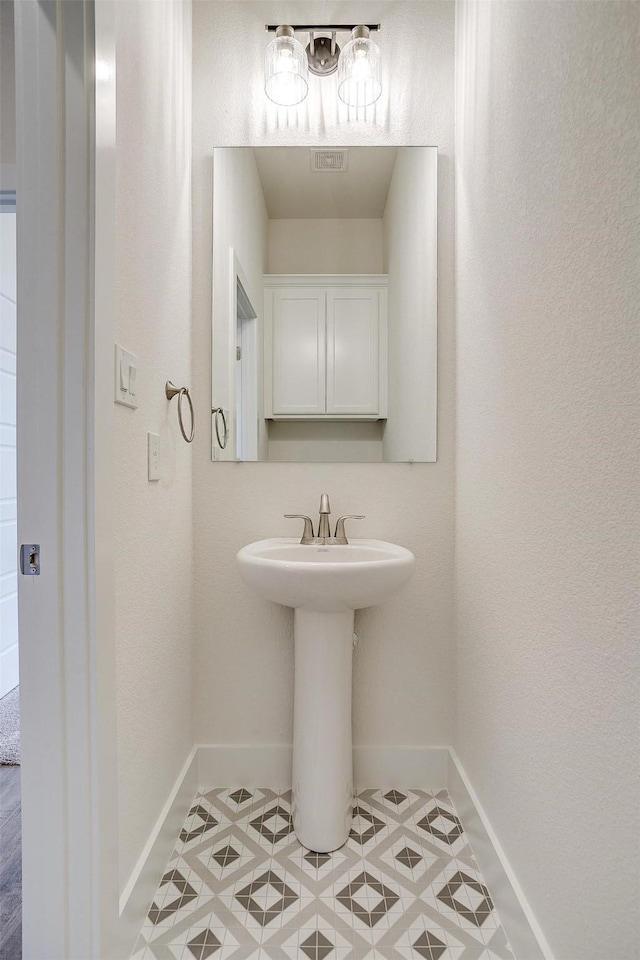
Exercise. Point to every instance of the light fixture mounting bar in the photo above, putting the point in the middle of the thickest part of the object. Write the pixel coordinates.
(328, 28)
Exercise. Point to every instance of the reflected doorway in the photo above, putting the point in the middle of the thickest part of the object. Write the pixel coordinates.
(246, 376)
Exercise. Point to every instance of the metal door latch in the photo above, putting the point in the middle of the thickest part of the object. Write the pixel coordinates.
(30, 559)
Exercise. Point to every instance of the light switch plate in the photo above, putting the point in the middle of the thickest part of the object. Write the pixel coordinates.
(153, 456)
(125, 377)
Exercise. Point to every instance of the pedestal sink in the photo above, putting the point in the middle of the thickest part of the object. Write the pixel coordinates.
(324, 585)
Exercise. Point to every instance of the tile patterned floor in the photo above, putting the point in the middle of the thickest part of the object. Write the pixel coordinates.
(405, 886)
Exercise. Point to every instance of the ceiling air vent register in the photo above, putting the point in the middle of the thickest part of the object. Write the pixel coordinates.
(323, 160)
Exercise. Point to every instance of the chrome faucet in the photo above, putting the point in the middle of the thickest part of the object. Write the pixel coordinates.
(324, 530)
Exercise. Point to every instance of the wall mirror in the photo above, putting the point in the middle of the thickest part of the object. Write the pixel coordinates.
(324, 304)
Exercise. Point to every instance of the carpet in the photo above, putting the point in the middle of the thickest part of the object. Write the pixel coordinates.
(10, 727)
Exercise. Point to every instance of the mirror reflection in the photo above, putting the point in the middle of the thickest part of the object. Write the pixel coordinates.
(324, 304)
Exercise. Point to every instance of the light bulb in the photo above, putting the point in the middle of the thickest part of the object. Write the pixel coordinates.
(359, 70)
(285, 69)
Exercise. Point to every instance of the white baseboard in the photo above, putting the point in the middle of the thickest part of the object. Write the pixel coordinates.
(517, 918)
(243, 765)
(137, 895)
(269, 765)
(385, 767)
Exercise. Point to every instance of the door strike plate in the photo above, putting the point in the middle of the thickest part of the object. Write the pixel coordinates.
(30, 559)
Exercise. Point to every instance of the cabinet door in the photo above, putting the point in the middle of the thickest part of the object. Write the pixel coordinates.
(353, 334)
(299, 343)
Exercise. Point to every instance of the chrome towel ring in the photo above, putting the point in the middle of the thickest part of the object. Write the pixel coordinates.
(219, 414)
(171, 390)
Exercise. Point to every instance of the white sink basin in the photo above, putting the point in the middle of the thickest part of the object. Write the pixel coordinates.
(324, 585)
(328, 578)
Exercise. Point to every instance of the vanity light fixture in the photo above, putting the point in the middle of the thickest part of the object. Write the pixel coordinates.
(287, 63)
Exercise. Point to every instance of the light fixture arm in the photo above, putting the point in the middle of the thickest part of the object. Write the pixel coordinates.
(320, 28)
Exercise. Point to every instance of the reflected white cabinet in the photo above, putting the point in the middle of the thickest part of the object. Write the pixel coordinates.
(298, 346)
(325, 347)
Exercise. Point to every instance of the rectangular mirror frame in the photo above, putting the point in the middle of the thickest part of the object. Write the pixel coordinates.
(233, 299)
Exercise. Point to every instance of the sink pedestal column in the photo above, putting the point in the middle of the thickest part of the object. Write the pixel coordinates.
(322, 747)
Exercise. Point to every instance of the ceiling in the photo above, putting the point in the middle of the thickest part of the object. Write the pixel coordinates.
(293, 190)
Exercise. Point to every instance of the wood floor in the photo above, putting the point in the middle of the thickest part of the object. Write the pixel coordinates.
(10, 864)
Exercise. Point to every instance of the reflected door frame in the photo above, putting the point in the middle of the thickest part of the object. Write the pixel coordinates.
(245, 368)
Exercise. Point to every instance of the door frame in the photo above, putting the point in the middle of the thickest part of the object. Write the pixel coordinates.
(8, 621)
(65, 95)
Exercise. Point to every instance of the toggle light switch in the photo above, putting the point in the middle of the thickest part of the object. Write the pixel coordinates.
(126, 376)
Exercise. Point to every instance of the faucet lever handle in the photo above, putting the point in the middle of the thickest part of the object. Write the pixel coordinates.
(340, 535)
(308, 525)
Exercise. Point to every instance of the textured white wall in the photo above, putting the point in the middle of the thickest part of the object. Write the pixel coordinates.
(244, 655)
(325, 246)
(153, 521)
(547, 289)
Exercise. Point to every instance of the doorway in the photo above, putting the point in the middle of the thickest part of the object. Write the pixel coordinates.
(10, 805)
(64, 906)
(8, 499)
(246, 376)
(10, 815)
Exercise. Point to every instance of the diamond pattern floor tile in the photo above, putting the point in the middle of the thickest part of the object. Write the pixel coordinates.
(405, 885)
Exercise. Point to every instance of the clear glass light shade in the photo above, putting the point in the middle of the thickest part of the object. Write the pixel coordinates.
(286, 71)
(359, 83)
